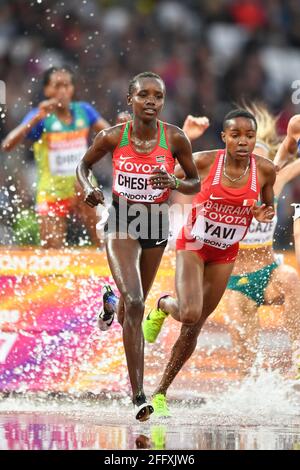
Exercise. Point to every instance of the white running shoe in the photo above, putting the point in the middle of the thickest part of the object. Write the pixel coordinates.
(106, 316)
(142, 412)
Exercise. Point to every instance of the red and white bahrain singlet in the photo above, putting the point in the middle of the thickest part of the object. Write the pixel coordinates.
(221, 215)
(132, 170)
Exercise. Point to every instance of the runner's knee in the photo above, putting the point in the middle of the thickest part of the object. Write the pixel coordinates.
(190, 313)
(290, 280)
(134, 305)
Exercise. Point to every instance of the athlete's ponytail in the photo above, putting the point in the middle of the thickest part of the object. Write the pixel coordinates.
(266, 128)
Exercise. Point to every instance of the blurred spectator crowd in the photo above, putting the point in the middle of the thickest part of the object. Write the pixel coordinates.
(211, 54)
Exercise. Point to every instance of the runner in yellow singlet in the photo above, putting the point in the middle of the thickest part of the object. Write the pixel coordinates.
(59, 128)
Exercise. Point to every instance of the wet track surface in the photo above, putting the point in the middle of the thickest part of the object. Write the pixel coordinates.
(212, 407)
(242, 418)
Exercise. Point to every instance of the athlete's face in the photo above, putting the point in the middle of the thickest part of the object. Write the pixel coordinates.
(147, 98)
(239, 137)
(61, 87)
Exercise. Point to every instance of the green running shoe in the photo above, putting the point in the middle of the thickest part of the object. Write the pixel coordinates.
(158, 437)
(159, 403)
(153, 323)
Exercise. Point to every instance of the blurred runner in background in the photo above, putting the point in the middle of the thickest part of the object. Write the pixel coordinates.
(59, 128)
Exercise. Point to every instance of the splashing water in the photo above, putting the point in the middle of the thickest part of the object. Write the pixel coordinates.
(263, 399)
(262, 412)
(260, 399)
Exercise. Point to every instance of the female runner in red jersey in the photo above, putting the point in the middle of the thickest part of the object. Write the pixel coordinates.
(144, 152)
(233, 180)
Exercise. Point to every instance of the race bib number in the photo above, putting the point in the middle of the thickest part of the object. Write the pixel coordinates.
(135, 187)
(217, 234)
(260, 233)
(63, 159)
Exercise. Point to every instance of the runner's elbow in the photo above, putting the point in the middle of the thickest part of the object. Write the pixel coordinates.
(196, 186)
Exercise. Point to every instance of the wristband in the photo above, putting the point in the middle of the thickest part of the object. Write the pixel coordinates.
(176, 182)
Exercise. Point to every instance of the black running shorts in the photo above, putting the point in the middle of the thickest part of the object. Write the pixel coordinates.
(149, 224)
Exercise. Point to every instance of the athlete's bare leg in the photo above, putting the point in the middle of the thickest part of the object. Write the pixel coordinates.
(284, 286)
(188, 278)
(150, 261)
(244, 322)
(87, 215)
(133, 270)
(243, 325)
(121, 311)
(199, 289)
(53, 231)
